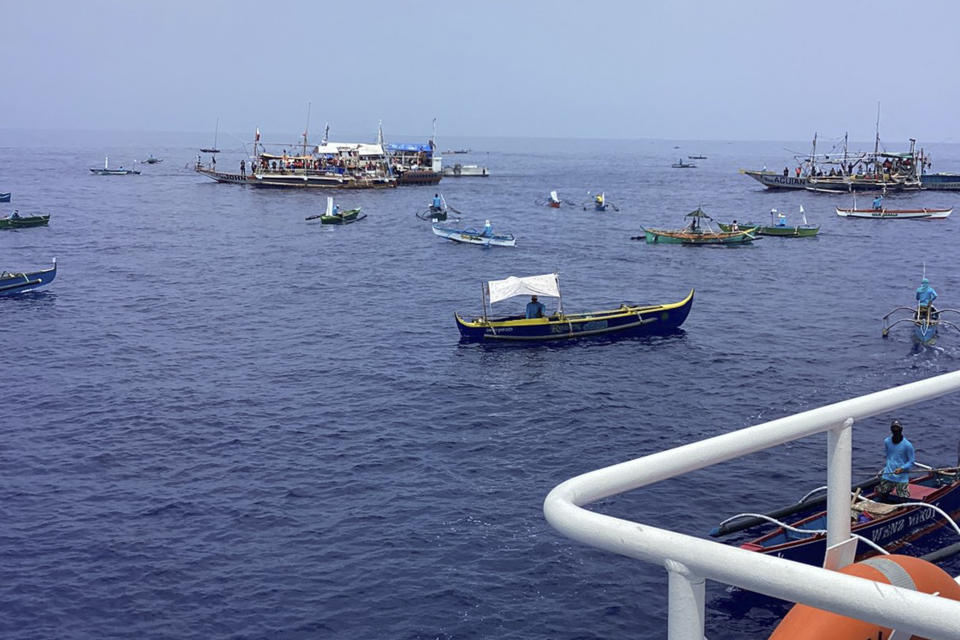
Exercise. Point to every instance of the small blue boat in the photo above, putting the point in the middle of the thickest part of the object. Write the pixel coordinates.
(15, 283)
(926, 322)
(599, 203)
(5, 197)
(623, 321)
(485, 236)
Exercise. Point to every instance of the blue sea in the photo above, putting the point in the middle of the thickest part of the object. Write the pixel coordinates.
(225, 421)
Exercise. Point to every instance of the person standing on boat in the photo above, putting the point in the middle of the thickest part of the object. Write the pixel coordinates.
(535, 309)
(878, 203)
(900, 458)
(925, 293)
(437, 203)
(243, 168)
(487, 230)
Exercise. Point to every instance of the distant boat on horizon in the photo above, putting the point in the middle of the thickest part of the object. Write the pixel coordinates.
(214, 148)
(107, 171)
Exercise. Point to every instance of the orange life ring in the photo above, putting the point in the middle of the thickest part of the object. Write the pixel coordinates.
(804, 622)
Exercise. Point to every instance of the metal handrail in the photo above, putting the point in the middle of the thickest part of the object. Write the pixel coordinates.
(690, 560)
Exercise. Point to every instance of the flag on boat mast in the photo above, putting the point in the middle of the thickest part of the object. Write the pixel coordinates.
(256, 138)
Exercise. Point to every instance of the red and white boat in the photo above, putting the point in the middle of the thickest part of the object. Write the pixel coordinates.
(895, 214)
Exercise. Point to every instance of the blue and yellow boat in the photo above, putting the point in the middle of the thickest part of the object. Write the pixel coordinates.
(623, 321)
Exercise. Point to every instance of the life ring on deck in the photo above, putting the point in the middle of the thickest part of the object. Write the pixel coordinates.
(804, 622)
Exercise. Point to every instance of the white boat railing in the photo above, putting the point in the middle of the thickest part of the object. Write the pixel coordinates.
(690, 561)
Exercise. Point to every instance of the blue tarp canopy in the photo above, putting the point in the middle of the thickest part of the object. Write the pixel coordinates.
(408, 146)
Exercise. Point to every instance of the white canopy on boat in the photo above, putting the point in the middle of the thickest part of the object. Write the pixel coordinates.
(546, 285)
(360, 148)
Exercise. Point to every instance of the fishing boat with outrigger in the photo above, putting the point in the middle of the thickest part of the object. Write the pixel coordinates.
(925, 319)
(334, 215)
(926, 322)
(437, 211)
(778, 226)
(485, 237)
(881, 523)
(107, 171)
(625, 320)
(697, 232)
(16, 221)
(680, 164)
(553, 201)
(152, 160)
(895, 214)
(12, 283)
(599, 202)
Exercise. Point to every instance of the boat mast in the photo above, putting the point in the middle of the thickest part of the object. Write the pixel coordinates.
(216, 132)
(556, 277)
(813, 154)
(876, 143)
(843, 167)
(483, 298)
(305, 129)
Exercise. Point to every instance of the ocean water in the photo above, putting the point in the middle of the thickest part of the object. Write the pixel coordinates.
(224, 421)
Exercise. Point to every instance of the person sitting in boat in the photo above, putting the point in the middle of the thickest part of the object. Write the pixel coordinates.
(878, 203)
(925, 294)
(15, 215)
(336, 209)
(535, 309)
(437, 203)
(599, 199)
(734, 226)
(900, 458)
(487, 231)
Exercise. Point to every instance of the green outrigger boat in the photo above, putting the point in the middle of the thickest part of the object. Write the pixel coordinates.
(21, 222)
(343, 217)
(332, 216)
(778, 226)
(697, 232)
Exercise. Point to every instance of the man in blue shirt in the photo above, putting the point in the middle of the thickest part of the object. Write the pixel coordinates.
(925, 293)
(878, 202)
(900, 458)
(535, 309)
(437, 203)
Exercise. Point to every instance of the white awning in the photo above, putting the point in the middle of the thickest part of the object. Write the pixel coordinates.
(546, 285)
(360, 148)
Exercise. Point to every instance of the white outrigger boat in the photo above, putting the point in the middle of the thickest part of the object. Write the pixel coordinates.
(895, 214)
(484, 236)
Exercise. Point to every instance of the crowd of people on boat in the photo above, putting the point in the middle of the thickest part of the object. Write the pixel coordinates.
(861, 169)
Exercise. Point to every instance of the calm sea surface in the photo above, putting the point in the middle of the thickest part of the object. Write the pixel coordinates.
(226, 422)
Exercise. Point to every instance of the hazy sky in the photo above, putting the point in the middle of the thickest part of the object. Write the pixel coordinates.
(736, 70)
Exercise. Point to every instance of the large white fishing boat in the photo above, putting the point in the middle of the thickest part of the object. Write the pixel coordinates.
(329, 165)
